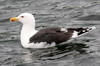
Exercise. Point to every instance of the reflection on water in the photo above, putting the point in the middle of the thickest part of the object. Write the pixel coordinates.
(55, 52)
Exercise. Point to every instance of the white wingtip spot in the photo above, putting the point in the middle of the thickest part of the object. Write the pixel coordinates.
(84, 31)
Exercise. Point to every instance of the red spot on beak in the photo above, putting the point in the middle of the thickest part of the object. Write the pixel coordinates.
(14, 19)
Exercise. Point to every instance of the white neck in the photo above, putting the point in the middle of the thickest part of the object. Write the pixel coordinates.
(27, 32)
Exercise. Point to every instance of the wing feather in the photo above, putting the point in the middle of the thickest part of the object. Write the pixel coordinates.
(50, 35)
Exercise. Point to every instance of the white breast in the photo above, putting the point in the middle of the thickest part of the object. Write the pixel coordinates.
(26, 33)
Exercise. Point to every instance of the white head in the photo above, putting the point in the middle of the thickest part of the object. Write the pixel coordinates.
(24, 18)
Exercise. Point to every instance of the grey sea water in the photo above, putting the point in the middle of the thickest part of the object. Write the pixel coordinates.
(83, 51)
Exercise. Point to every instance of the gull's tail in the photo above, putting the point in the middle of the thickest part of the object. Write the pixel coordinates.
(81, 31)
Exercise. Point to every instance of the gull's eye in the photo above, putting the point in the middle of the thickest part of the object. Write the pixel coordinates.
(22, 16)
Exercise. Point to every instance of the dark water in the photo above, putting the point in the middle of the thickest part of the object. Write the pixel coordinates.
(83, 51)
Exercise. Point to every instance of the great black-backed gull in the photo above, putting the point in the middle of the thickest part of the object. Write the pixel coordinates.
(47, 37)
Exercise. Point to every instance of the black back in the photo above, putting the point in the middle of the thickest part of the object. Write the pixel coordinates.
(50, 35)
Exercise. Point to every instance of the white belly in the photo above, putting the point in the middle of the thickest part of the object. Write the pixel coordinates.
(42, 45)
(25, 42)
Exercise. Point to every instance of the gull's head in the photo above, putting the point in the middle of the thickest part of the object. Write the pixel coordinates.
(24, 18)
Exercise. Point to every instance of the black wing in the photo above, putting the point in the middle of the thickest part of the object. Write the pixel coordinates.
(50, 35)
(56, 35)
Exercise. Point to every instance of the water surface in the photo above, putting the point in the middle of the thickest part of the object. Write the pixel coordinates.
(83, 51)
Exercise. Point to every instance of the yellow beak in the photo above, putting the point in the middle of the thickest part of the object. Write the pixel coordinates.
(14, 19)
